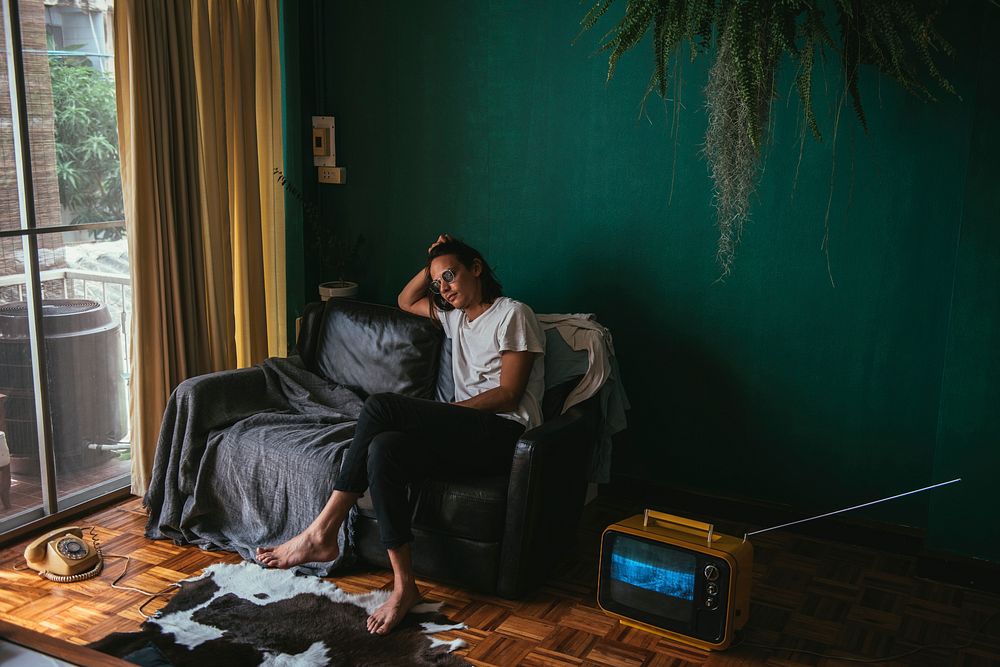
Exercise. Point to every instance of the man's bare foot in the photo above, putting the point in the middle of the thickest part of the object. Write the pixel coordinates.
(388, 616)
(306, 547)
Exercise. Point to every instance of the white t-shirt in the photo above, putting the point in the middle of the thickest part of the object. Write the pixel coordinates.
(507, 325)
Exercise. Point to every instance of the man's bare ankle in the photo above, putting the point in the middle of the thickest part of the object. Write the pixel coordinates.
(405, 588)
(312, 535)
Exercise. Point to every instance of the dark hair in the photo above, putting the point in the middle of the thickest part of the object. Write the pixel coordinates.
(466, 254)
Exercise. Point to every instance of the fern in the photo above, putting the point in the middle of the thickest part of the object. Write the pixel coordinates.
(594, 15)
(658, 80)
(752, 37)
(635, 23)
(803, 81)
(698, 18)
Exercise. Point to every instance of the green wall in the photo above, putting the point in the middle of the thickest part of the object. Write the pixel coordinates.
(968, 435)
(798, 381)
(294, 145)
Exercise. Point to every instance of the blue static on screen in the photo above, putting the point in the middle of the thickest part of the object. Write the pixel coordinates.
(652, 577)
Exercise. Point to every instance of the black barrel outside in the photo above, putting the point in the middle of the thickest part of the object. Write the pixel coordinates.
(87, 393)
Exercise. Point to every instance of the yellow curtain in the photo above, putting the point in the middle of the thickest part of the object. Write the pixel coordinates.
(199, 127)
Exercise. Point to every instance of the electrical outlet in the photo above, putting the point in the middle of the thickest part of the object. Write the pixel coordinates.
(337, 175)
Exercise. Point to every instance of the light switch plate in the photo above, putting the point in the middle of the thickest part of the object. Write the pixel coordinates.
(324, 126)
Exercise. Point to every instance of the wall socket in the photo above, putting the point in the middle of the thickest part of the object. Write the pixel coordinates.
(337, 175)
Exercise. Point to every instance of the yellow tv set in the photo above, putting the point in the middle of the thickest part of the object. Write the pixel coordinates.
(676, 577)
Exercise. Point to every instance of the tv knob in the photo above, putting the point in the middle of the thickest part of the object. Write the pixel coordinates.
(711, 572)
(712, 588)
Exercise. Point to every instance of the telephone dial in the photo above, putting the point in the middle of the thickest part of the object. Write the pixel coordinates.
(63, 555)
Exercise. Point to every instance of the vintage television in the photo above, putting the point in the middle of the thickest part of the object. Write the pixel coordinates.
(677, 578)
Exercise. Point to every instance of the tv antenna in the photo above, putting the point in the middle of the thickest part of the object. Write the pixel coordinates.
(849, 509)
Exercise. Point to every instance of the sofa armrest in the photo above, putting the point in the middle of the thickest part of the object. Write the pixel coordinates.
(544, 498)
(222, 398)
(198, 406)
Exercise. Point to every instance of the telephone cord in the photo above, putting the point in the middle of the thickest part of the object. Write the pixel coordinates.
(83, 576)
(73, 578)
(128, 559)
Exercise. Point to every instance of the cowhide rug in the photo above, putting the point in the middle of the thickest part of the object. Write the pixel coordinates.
(247, 615)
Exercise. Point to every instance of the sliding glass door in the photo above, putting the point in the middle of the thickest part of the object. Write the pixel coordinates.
(65, 300)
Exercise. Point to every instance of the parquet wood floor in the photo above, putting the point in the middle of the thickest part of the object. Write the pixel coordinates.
(809, 594)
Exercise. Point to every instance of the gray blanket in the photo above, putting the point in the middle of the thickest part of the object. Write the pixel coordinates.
(248, 458)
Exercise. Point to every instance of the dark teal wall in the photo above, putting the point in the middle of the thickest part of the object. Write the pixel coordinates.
(294, 145)
(968, 436)
(484, 120)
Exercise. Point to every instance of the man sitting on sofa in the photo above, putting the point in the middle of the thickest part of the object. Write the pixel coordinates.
(497, 363)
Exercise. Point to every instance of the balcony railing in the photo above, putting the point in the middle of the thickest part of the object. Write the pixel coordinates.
(114, 290)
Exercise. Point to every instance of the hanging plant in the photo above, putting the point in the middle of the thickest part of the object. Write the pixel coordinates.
(751, 38)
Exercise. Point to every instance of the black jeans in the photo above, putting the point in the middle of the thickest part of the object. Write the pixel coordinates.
(399, 440)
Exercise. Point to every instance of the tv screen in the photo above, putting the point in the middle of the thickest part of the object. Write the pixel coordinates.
(653, 578)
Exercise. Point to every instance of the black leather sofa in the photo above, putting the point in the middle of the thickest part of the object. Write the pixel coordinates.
(498, 534)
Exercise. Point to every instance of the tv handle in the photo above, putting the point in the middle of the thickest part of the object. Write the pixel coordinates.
(683, 524)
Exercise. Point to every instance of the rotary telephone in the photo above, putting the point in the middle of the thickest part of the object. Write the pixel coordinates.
(62, 555)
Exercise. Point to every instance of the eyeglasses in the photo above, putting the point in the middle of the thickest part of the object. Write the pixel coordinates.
(448, 276)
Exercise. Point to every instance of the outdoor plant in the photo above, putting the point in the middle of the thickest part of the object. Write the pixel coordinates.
(87, 163)
(751, 38)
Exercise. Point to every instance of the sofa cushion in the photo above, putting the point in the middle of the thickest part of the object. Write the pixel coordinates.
(373, 349)
(473, 509)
